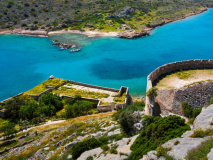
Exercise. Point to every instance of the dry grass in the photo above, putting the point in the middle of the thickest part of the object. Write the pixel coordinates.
(185, 78)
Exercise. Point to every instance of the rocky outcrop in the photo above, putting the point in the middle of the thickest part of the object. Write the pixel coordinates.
(204, 119)
(33, 33)
(123, 13)
(131, 34)
(63, 45)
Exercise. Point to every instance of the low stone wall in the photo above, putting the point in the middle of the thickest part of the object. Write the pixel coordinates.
(93, 86)
(11, 98)
(168, 68)
(128, 101)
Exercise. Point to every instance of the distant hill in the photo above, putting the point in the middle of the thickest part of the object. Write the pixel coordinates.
(104, 15)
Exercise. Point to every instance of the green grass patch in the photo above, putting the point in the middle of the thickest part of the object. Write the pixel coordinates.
(120, 99)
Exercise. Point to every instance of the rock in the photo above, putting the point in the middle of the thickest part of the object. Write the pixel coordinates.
(68, 145)
(27, 134)
(132, 34)
(46, 148)
(124, 26)
(35, 132)
(152, 155)
(210, 155)
(117, 131)
(204, 119)
(92, 152)
(64, 140)
(63, 45)
(69, 156)
(49, 154)
(124, 12)
(180, 150)
(138, 126)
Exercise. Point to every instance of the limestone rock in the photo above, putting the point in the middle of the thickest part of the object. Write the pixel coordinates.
(124, 12)
(68, 145)
(152, 155)
(131, 34)
(210, 155)
(204, 119)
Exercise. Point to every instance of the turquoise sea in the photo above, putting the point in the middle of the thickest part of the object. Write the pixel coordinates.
(111, 62)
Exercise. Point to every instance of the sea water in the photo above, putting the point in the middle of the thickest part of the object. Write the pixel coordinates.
(106, 61)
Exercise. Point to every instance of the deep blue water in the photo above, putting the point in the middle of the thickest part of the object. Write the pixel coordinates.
(111, 62)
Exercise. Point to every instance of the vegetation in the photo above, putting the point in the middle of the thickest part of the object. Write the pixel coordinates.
(161, 151)
(189, 111)
(202, 133)
(42, 87)
(8, 130)
(126, 118)
(157, 133)
(201, 151)
(152, 92)
(120, 99)
(92, 143)
(184, 74)
(96, 14)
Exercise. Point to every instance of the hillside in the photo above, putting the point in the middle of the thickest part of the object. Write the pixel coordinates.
(103, 15)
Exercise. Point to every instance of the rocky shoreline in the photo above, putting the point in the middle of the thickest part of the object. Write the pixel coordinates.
(128, 34)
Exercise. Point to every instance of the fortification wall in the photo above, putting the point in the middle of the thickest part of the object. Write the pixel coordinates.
(171, 67)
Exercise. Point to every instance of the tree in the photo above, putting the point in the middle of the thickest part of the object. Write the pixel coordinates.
(13, 106)
(51, 99)
(30, 110)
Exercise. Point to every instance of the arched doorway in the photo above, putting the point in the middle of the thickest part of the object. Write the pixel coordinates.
(156, 110)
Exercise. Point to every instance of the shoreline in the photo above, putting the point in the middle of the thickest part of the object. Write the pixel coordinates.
(119, 34)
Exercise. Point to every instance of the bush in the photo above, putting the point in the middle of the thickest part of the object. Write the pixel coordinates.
(90, 158)
(83, 146)
(51, 99)
(13, 106)
(79, 108)
(202, 133)
(189, 111)
(152, 92)
(8, 130)
(126, 120)
(105, 148)
(157, 133)
(29, 110)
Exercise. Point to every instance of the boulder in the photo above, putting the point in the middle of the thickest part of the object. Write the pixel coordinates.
(210, 155)
(204, 119)
(131, 34)
(68, 145)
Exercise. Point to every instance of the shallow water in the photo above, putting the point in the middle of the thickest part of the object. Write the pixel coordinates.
(110, 62)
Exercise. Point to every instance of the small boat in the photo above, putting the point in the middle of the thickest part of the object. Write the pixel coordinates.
(75, 50)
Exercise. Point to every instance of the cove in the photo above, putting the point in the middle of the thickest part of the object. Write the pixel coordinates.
(105, 61)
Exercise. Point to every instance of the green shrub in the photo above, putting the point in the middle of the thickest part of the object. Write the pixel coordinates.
(157, 133)
(105, 148)
(202, 133)
(152, 92)
(51, 99)
(188, 110)
(113, 151)
(8, 130)
(163, 152)
(126, 120)
(176, 142)
(90, 158)
(29, 110)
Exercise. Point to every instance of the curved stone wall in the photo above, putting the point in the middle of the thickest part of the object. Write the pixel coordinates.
(171, 67)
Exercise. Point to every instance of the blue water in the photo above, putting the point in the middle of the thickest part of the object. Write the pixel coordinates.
(111, 62)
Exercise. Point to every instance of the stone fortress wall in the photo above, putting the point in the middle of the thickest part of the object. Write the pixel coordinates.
(100, 108)
(168, 101)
